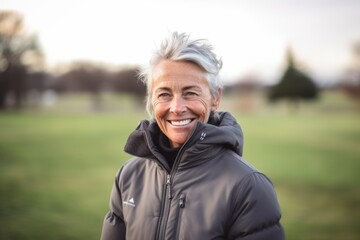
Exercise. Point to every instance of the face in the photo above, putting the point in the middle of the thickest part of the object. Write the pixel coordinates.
(180, 98)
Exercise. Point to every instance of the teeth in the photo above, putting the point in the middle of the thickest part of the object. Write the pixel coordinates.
(180, 123)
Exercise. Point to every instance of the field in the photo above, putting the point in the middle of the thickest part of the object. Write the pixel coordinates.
(57, 167)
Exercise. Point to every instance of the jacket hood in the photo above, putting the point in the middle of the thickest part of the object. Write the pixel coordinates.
(221, 129)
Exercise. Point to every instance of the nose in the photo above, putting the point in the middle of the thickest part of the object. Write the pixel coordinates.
(178, 105)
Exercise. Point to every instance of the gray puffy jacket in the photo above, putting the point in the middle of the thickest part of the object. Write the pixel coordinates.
(210, 193)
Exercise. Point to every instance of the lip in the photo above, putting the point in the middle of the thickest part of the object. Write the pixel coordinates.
(181, 122)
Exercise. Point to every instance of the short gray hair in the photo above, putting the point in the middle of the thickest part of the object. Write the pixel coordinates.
(179, 47)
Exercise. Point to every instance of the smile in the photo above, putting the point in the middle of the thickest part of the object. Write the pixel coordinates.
(180, 123)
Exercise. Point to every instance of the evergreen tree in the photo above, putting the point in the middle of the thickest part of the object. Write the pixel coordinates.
(294, 85)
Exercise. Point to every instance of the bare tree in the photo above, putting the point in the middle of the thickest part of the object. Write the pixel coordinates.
(350, 84)
(84, 77)
(16, 50)
(127, 81)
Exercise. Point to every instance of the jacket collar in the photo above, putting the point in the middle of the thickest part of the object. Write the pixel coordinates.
(221, 130)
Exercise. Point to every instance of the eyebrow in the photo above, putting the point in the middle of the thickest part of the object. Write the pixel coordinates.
(192, 87)
(162, 89)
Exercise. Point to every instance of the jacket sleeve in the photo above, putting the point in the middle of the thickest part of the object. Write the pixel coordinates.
(257, 213)
(114, 226)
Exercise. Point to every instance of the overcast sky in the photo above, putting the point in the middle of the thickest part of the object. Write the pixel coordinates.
(250, 36)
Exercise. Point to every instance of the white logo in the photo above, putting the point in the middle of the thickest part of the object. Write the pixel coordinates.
(202, 136)
(130, 202)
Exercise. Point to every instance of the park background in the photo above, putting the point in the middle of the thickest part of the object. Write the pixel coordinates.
(69, 98)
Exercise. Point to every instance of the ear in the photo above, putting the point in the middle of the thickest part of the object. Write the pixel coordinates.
(216, 101)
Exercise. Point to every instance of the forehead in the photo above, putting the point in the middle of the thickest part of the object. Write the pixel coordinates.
(178, 73)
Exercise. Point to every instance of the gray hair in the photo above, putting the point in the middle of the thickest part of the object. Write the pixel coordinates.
(179, 47)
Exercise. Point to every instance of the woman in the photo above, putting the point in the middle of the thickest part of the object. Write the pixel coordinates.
(187, 179)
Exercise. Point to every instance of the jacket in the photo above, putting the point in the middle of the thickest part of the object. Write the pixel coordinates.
(210, 192)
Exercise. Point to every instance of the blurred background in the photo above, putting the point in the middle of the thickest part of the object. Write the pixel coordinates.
(69, 97)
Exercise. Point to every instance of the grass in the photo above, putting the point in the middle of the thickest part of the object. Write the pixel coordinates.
(57, 168)
(314, 162)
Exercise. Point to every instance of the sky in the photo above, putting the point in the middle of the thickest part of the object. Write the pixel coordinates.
(250, 36)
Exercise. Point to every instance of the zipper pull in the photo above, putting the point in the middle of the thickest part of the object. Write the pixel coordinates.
(182, 201)
(168, 185)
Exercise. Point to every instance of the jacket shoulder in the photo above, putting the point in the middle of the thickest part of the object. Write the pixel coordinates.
(236, 165)
(135, 166)
(255, 205)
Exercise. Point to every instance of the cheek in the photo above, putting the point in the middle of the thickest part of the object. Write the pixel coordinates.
(159, 108)
(202, 107)
(155, 102)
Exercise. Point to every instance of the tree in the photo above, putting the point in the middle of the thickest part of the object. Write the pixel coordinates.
(294, 85)
(17, 49)
(86, 77)
(350, 83)
(127, 81)
(94, 78)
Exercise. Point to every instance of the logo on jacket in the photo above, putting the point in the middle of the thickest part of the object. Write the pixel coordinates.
(130, 202)
(202, 136)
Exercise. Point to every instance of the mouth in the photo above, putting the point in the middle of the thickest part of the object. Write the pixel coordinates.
(181, 123)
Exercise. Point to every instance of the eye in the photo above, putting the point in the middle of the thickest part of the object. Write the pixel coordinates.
(191, 94)
(163, 95)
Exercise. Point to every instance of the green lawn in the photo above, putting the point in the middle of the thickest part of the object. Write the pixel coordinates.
(57, 168)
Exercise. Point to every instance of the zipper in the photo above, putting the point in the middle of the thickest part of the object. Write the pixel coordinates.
(164, 214)
(180, 209)
(168, 186)
(182, 200)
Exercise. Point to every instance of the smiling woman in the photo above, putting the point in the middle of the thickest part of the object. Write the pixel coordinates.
(181, 99)
(187, 179)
